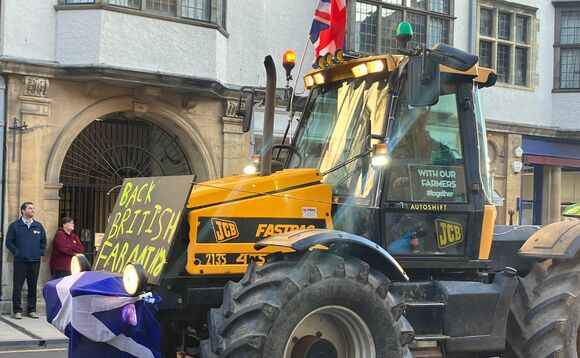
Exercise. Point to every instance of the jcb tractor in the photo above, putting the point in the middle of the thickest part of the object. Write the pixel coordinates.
(374, 238)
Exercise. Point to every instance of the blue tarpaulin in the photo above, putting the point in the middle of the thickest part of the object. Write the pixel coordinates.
(100, 319)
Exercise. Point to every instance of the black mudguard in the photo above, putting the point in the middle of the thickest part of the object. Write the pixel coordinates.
(339, 242)
(559, 240)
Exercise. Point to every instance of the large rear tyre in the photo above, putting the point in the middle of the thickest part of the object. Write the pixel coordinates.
(545, 313)
(306, 305)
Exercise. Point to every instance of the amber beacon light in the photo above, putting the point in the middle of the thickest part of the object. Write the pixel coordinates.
(289, 61)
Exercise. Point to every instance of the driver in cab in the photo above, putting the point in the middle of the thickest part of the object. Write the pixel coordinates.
(415, 146)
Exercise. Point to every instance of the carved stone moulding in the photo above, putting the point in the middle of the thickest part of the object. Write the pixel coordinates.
(35, 86)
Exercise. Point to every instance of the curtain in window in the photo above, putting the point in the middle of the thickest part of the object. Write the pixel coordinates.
(570, 68)
(570, 30)
(164, 7)
(366, 28)
(135, 4)
(437, 32)
(196, 9)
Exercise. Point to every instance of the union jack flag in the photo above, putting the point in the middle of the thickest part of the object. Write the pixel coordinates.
(329, 26)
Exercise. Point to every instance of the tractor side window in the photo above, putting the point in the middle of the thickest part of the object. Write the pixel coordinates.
(425, 177)
(426, 154)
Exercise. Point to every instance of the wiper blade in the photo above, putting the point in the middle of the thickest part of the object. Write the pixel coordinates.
(346, 162)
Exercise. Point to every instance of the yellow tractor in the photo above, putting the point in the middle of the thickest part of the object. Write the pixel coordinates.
(374, 238)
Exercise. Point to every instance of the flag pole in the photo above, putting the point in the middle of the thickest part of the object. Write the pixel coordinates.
(291, 115)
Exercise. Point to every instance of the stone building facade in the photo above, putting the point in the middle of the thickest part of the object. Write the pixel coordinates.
(84, 78)
(101, 90)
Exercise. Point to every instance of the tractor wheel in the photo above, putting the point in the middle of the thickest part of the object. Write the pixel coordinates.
(312, 304)
(545, 313)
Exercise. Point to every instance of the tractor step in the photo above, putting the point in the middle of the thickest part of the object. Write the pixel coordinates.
(424, 304)
(431, 337)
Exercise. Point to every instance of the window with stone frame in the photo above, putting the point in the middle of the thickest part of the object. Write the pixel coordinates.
(373, 23)
(505, 43)
(211, 11)
(567, 48)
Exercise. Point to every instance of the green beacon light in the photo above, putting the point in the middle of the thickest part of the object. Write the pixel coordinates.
(404, 33)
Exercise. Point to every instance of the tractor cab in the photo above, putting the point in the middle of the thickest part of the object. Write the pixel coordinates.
(401, 142)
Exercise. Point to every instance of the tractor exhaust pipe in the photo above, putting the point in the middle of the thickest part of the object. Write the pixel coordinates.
(268, 133)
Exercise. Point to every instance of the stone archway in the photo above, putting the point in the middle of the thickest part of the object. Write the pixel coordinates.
(108, 142)
(208, 168)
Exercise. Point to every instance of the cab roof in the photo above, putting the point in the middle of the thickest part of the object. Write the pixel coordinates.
(342, 71)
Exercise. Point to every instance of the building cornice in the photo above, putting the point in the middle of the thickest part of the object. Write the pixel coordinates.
(504, 127)
(117, 76)
(128, 78)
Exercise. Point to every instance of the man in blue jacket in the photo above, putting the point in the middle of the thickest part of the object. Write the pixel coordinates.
(26, 239)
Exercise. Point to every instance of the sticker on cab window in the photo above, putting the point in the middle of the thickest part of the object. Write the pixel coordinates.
(448, 233)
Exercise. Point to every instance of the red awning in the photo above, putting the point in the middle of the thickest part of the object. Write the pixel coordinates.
(563, 162)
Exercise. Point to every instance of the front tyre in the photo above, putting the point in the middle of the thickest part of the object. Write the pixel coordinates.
(306, 305)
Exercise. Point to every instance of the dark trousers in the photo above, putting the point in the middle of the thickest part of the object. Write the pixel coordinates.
(59, 274)
(25, 271)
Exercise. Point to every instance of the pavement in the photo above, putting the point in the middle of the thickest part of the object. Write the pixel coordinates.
(28, 332)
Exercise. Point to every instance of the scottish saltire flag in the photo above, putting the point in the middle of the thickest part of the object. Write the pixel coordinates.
(100, 319)
(328, 27)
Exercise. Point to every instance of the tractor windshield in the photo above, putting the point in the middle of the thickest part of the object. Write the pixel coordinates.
(334, 129)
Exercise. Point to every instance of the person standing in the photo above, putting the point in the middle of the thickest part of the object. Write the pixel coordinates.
(65, 245)
(26, 239)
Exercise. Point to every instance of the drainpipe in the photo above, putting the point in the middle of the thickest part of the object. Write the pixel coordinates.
(472, 26)
(2, 172)
(268, 133)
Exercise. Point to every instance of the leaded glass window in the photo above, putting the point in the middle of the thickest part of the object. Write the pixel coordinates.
(521, 67)
(503, 63)
(485, 54)
(567, 48)
(485, 22)
(375, 22)
(570, 28)
(164, 7)
(570, 68)
(366, 28)
(390, 19)
(196, 9)
(503, 25)
(522, 29)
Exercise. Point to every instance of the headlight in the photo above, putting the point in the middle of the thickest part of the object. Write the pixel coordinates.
(134, 278)
(79, 263)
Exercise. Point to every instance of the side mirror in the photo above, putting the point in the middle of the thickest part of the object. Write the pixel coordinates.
(452, 57)
(423, 81)
(249, 111)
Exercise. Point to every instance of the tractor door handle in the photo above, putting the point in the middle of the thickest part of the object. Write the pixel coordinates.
(399, 205)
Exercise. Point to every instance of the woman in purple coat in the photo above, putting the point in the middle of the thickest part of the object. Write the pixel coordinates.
(64, 246)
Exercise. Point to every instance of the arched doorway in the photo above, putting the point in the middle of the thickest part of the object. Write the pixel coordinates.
(107, 151)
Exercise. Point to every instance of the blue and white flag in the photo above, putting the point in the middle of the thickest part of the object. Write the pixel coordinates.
(100, 319)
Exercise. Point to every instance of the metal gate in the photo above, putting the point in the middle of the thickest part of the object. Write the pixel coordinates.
(105, 153)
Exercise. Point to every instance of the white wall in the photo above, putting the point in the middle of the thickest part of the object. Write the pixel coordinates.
(148, 44)
(29, 29)
(78, 37)
(256, 28)
(461, 24)
(531, 107)
(263, 27)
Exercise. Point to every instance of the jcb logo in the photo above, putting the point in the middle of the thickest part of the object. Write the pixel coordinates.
(224, 230)
(448, 233)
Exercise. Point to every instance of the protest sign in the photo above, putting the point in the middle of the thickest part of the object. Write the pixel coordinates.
(143, 224)
(439, 183)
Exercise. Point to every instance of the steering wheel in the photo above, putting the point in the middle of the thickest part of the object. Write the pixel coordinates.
(291, 149)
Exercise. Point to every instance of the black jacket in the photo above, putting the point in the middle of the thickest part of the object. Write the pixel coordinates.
(27, 244)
